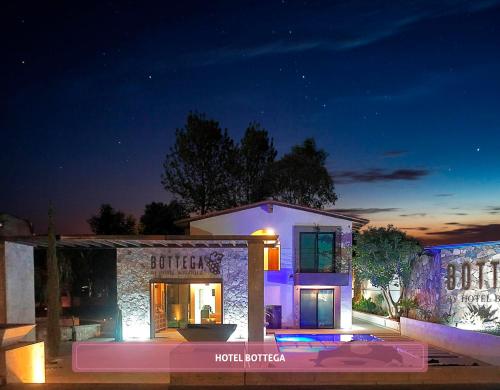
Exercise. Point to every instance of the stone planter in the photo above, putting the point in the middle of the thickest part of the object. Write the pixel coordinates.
(220, 332)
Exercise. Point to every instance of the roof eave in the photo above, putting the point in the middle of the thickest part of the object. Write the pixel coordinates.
(359, 222)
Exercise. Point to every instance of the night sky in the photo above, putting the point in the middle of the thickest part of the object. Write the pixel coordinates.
(404, 96)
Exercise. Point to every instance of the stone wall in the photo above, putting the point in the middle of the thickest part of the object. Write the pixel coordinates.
(135, 272)
(425, 286)
(235, 290)
(456, 286)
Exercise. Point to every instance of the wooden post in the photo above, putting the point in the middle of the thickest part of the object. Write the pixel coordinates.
(256, 291)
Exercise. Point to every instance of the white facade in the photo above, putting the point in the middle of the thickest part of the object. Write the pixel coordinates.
(283, 287)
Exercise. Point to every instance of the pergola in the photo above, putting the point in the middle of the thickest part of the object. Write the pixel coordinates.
(17, 304)
(145, 241)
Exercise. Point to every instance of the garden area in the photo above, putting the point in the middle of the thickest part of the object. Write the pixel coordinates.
(442, 285)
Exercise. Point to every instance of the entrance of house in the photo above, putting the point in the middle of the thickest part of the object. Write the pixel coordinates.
(174, 305)
(316, 308)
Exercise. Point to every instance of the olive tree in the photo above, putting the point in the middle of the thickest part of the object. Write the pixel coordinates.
(384, 256)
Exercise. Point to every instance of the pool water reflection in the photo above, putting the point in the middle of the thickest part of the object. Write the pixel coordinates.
(317, 342)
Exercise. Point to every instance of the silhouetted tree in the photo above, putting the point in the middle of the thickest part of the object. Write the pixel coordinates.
(256, 156)
(384, 257)
(110, 221)
(159, 218)
(53, 292)
(300, 177)
(199, 167)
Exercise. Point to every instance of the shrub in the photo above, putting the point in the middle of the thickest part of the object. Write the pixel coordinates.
(407, 304)
(368, 306)
(379, 300)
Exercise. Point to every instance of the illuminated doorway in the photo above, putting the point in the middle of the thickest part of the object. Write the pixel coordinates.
(175, 305)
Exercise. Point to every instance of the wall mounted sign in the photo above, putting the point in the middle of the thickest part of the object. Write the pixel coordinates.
(471, 290)
(185, 266)
(465, 275)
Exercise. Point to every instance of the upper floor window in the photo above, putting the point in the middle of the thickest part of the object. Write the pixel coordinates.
(317, 252)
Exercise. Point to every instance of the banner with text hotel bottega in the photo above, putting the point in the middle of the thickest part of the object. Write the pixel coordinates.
(250, 357)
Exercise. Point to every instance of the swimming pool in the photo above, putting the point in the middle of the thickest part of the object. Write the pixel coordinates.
(317, 342)
(315, 338)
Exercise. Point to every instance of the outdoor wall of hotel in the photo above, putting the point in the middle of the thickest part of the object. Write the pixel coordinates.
(136, 267)
(236, 262)
(22, 359)
(459, 285)
(283, 286)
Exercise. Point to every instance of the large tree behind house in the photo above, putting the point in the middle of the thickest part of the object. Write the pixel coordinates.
(199, 167)
(111, 221)
(301, 177)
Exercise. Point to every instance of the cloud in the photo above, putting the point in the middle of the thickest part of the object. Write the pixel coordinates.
(444, 195)
(493, 210)
(394, 153)
(413, 215)
(375, 24)
(420, 228)
(373, 210)
(377, 175)
(459, 214)
(233, 54)
(454, 223)
(469, 233)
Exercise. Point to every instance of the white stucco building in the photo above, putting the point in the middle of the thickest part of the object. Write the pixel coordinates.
(310, 283)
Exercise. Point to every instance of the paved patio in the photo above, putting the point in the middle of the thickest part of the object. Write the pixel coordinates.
(62, 371)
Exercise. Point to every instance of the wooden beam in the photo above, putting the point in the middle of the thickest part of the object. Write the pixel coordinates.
(256, 291)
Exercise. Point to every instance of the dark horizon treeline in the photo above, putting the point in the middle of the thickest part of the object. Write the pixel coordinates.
(206, 170)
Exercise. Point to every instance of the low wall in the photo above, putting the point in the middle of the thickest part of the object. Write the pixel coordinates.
(376, 320)
(82, 332)
(481, 346)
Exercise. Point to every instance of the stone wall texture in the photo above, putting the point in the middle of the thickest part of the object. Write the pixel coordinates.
(447, 295)
(134, 274)
(425, 285)
(235, 290)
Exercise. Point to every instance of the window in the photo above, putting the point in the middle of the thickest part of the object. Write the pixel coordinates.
(317, 252)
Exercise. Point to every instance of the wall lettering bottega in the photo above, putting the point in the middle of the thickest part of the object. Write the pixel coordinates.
(185, 266)
(473, 281)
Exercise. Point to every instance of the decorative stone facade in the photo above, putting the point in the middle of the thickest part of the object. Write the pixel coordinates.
(137, 267)
(459, 285)
(425, 286)
(235, 290)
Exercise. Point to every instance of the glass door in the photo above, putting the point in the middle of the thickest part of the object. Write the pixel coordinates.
(316, 308)
(177, 305)
(205, 303)
(325, 308)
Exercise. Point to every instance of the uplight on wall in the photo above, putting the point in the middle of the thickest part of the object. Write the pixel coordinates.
(136, 332)
(264, 232)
